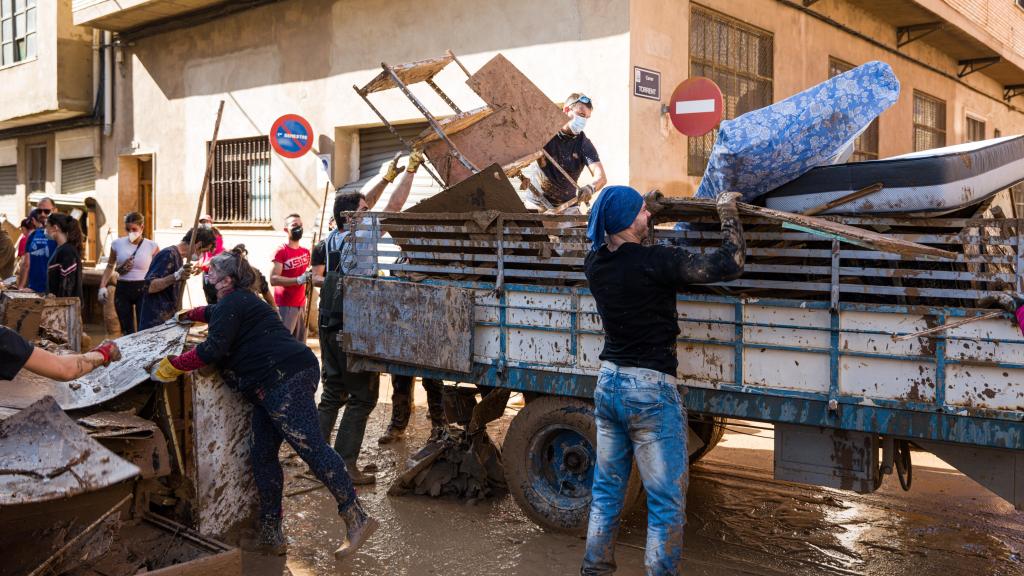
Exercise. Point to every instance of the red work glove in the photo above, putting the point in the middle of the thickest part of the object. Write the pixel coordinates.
(109, 350)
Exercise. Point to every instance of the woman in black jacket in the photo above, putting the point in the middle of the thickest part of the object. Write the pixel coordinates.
(64, 271)
(258, 357)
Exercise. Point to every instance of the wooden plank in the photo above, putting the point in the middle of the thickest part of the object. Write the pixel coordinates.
(410, 73)
(865, 191)
(226, 498)
(409, 323)
(523, 121)
(228, 563)
(452, 125)
(674, 206)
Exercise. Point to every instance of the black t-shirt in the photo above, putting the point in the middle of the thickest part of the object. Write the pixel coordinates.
(14, 352)
(64, 272)
(250, 345)
(635, 289)
(572, 153)
(319, 256)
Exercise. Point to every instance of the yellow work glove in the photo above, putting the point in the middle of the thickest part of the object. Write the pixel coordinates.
(164, 371)
(392, 171)
(415, 159)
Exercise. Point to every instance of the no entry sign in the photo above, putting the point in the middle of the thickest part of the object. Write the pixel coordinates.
(696, 106)
(291, 136)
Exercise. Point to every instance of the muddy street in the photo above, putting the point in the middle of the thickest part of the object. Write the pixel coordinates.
(739, 521)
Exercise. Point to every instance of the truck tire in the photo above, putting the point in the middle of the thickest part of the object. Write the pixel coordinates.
(710, 430)
(549, 454)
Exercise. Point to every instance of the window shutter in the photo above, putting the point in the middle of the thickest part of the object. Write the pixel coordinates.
(77, 175)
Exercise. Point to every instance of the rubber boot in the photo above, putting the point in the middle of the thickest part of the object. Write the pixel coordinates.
(359, 526)
(359, 477)
(401, 408)
(270, 537)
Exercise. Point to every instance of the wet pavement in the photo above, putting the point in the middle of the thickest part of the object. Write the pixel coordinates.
(739, 522)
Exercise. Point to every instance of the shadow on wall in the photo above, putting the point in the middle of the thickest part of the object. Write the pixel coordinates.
(316, 39)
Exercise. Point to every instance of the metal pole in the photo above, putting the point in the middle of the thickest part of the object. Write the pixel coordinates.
(394, 132)
(430, 118)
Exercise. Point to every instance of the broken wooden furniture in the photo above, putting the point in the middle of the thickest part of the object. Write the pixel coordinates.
(187, 447)
(47, 321)
(510, 130)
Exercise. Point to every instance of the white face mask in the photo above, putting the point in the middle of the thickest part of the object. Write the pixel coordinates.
(133, 237)
(577, 123)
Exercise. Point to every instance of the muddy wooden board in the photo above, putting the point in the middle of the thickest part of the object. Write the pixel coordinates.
(389, 323)
(523, 121)
(487, 190)
(44, 455)
(157, 546)
(138, 352)
(54, 482)
(226, 496)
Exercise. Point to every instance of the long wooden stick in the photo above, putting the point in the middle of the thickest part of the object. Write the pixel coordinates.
(316, 238)
(945, 327)
(207, 176)
(673, 208)
(865, 191)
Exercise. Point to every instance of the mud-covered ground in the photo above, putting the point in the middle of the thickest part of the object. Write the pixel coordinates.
(739, 522)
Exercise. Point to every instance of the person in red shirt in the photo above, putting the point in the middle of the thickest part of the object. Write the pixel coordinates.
(289, 276)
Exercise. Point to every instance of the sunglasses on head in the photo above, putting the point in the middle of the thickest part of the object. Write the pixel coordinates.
(582, 100)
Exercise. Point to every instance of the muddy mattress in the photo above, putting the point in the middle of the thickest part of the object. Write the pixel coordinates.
(932, 181)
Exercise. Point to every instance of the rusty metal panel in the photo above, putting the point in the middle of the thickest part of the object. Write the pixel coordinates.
(135, 439)
(138, 352)
(226, 496)
(825, 457)
(523, 121)
(44, 455)
(410, 323)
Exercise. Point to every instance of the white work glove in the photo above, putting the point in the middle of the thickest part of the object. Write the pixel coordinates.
(304, 277)
(184, 272)
(9, 282)
(102, 295)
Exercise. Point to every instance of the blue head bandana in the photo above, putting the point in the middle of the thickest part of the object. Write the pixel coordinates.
(614, 211)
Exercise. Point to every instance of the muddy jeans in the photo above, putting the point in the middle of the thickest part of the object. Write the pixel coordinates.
(403, 392)
(287, 413)
(638, 414)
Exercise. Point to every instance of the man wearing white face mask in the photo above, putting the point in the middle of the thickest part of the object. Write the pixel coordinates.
(130, 257)
(573, 151)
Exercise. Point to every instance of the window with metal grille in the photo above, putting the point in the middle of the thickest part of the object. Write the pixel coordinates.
(37, 168)
(929, 122)
(739, 58)
(17, 31)
(77, 175)
(240, 183)
(8, 180)
(865, 147)
(975, 129)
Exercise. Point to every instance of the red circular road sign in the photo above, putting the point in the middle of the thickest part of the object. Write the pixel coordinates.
(291, 136)
(696, 106)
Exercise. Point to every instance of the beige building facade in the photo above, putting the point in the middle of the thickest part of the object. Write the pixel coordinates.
(960, 64)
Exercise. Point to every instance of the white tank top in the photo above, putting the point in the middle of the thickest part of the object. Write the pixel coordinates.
(123, 250)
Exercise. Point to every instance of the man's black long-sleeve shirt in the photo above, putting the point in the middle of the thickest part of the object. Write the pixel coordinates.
(635, 288)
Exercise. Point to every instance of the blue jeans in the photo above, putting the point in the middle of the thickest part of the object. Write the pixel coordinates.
(638, 415)
(287, 412)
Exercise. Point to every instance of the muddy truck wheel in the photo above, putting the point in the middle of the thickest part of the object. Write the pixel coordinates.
(710, 430)
(549, 456)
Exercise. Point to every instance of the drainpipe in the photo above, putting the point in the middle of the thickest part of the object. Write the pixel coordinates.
(95, 66)
(108, 81)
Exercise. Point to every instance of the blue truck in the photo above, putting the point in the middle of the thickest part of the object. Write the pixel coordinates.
(857, 357)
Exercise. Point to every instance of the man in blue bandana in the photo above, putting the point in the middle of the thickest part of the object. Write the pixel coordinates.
(637, 405)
